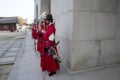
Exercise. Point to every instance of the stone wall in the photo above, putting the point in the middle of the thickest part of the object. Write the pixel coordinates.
(95, 34)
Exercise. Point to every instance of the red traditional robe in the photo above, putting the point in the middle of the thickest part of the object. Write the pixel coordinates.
(40, 48)
(51, 64)
(40, 39)
(34, 32)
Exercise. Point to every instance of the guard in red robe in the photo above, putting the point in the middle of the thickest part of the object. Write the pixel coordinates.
(40, 47)
(49, 41)
(35, 30)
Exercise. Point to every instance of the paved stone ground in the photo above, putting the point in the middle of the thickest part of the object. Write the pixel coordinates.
(10, 44)
(4, 71)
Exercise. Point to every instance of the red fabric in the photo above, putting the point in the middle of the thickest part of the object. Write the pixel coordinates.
(40, 40)
(52, 65)
(34, 32)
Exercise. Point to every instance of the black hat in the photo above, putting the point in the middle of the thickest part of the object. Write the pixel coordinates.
(49, 17)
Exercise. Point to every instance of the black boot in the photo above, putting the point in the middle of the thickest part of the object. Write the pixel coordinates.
(52, 73)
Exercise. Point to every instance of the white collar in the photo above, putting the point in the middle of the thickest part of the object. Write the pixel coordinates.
(50, 23)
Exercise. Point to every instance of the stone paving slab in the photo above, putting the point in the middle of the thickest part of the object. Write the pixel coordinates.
(36, 75)
(13, 49)
(4, 71)
(14, 74)
(11, 54)
(1, 52)
(16, 45)
(19, 42)
(6, 60)
(7, 45)
(3, 49)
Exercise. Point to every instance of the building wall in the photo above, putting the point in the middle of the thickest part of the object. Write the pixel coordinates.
(45, 6)
(37, 9)
(40, 6)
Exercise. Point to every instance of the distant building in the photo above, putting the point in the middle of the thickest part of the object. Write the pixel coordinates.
(8, 23)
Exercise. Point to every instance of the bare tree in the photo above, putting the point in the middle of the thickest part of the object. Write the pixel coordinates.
(21, 21)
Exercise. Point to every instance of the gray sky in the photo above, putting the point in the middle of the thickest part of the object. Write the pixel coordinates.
(23, 8)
